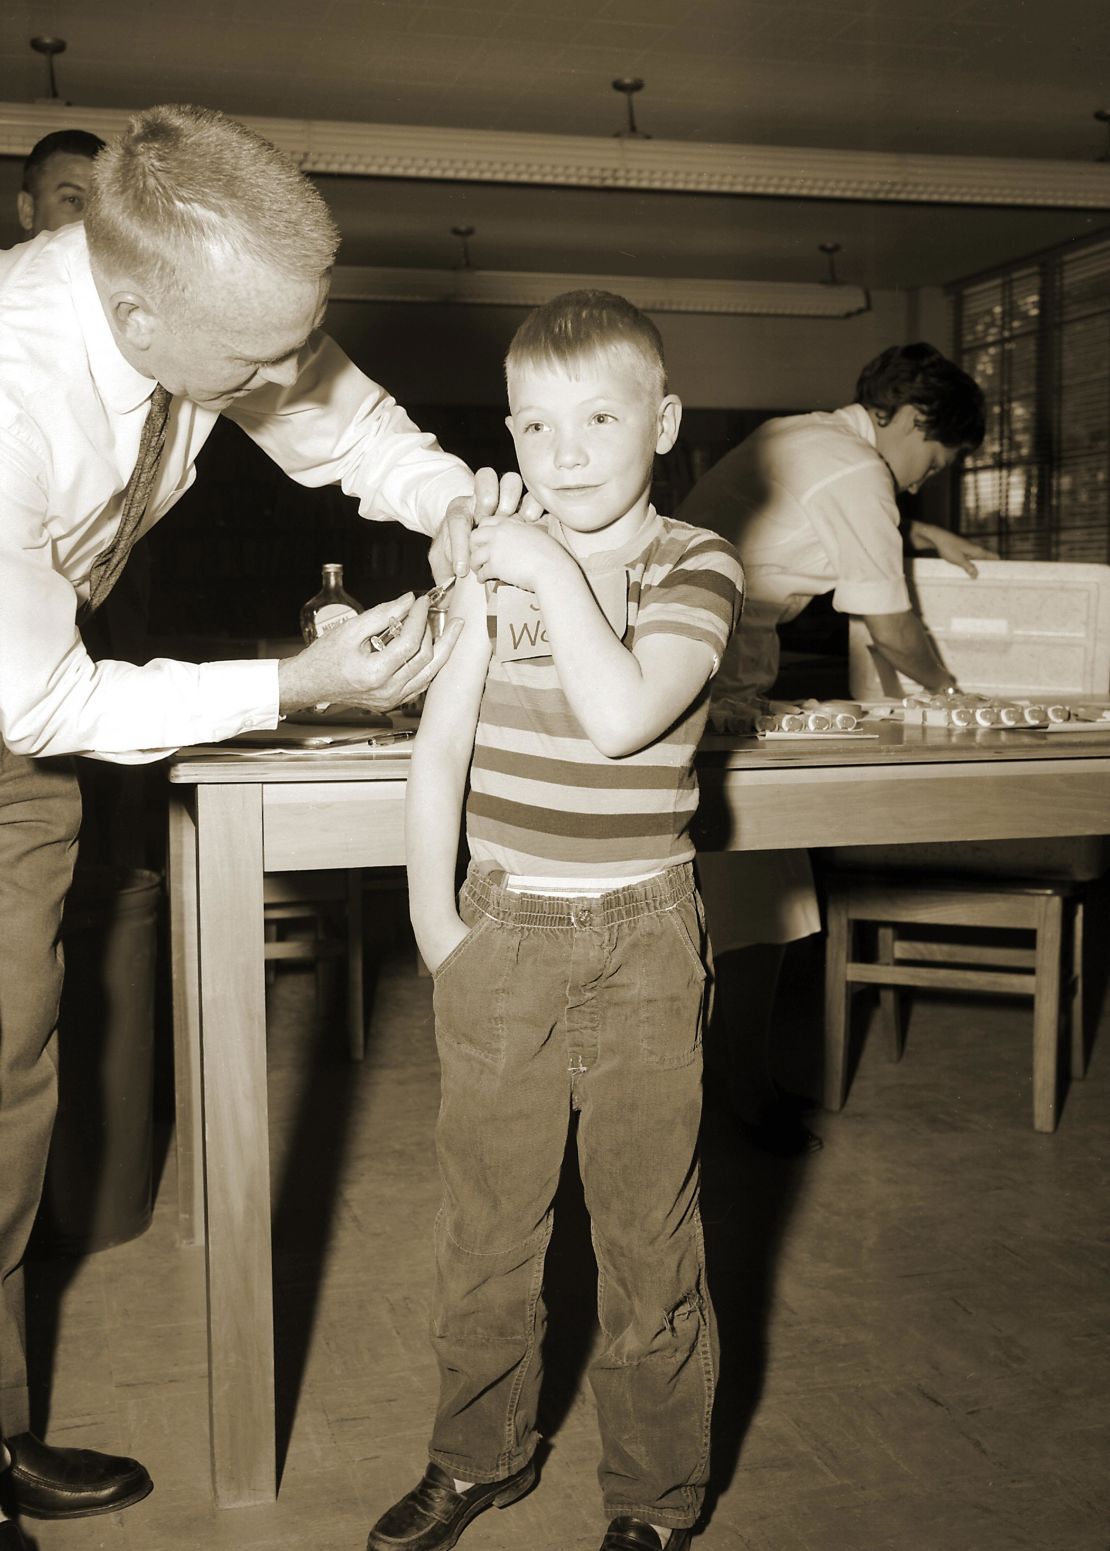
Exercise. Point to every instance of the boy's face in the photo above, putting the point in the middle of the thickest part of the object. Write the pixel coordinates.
(586, 433)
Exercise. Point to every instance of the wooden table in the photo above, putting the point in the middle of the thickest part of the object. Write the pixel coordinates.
(234, 816)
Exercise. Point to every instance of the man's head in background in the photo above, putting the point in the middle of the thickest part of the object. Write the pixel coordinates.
(56, 181)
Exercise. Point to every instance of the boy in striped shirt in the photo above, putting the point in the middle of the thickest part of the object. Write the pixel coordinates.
(570, 974)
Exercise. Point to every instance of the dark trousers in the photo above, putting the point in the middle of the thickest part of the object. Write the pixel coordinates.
(40, 813)
(550, 1004)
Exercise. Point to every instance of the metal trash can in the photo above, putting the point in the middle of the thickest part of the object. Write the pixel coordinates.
(98, 1178)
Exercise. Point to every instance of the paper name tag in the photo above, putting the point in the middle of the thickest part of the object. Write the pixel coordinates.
(520, 631)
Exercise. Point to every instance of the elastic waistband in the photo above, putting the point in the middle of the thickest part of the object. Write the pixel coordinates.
(486, 891)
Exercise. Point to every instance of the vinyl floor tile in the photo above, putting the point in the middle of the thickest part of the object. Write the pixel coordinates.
(914, 1323)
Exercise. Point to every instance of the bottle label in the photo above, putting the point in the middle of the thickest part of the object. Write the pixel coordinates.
(330, 615)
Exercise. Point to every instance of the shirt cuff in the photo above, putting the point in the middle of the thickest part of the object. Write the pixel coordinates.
(888, 595)
(238, 697)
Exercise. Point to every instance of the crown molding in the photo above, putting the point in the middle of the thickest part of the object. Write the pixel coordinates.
(582, 161)
(519, 288)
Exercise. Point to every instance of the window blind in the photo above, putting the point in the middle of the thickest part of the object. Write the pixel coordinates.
(1036, 337)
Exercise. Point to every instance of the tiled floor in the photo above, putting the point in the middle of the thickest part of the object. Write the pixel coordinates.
(915, 1322)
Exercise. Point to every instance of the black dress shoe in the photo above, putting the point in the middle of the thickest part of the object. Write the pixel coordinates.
(629, 1534)
(47, 1483)
(800, 1103)
(433, 1515)
(780, 1132)
(10, 1537)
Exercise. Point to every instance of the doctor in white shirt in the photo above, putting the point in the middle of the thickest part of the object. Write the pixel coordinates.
(203, 271)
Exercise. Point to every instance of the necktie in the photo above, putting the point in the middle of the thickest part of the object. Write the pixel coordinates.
(108, 565)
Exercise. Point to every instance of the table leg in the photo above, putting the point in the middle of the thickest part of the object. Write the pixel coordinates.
(1046, 1013)
(237, 1154)
(838, 1000)
(189, 1129)
(890, 998)
(356, 948)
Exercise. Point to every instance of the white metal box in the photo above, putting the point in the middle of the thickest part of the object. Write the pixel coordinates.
(1021, 627)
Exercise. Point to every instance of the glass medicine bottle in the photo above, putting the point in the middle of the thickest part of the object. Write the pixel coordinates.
(329, 607)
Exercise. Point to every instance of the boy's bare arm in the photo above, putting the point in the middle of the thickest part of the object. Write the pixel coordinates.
(440, 761)
(624, 700)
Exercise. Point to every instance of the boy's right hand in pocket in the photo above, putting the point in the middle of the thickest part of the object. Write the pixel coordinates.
(437, 944)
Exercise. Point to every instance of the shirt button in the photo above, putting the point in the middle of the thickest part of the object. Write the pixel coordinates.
(583, 918)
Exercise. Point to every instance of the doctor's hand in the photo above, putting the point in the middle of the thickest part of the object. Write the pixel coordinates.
(450, 551)
(342, 665)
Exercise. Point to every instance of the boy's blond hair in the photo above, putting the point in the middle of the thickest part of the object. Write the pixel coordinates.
(185, 189)
(576, 325)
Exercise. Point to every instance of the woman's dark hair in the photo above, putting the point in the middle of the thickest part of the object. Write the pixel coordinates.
(950, 402)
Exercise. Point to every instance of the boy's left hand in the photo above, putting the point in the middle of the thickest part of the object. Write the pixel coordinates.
(450, 551)
(507, 549)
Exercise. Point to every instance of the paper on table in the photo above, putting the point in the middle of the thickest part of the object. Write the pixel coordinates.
(812, 736)
(262, 744)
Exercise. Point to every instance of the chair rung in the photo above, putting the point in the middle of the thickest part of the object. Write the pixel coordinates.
(304, 948)
(964, 953)
(1008, 981)
(947, 883)
(307, 910)
(932, 907)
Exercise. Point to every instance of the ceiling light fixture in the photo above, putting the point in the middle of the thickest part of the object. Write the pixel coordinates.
(464, 234)
(528, 288)
(629, 85)
(594, 161)
(51, 47)
(1103, 116)
(830, 250)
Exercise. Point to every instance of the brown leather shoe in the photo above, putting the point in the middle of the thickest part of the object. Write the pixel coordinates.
(629, 1534)
(433, 1515)
(48, 1483)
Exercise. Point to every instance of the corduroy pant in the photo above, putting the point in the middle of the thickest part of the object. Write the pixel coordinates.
(596, 1005)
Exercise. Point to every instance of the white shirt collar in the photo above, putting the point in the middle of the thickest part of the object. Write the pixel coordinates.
(120, 386)
(861, 422)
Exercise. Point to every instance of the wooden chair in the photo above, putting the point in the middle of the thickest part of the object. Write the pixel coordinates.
(1050, 970)
(333, 903)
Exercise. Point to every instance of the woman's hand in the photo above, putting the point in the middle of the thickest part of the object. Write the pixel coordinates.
(953, 547)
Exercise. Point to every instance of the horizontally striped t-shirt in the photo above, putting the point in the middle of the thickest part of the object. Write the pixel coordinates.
(543, 800)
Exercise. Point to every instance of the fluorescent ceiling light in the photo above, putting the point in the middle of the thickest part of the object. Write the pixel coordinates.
(520, 288)
(582, 161)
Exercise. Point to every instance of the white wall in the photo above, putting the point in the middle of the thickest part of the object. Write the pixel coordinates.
(427, 354)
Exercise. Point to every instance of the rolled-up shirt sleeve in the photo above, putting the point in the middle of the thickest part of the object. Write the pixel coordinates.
(54, 699)
(855, 516)
(335, 426)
